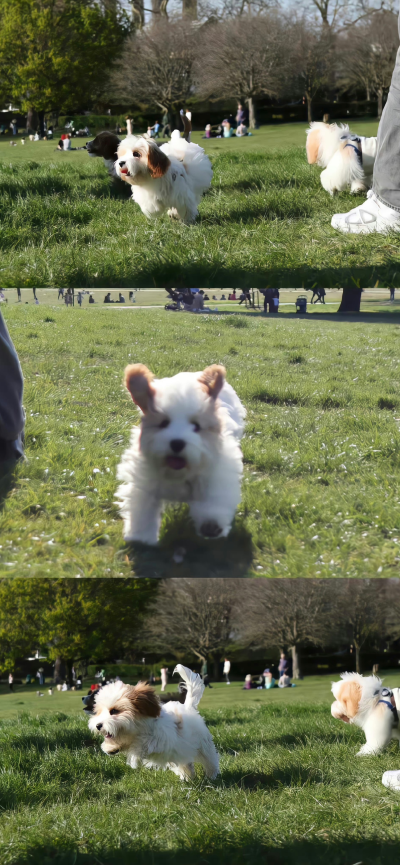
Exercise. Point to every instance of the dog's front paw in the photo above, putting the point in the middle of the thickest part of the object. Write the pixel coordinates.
(210, 529)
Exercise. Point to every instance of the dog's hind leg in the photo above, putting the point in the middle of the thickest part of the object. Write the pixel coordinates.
(209, 760)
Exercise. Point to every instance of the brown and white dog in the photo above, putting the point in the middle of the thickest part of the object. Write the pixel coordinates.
(347, 159)
(170, 736)
(365, 702)
(170, 178)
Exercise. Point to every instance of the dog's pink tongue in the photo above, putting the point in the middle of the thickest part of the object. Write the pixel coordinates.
(176, 462)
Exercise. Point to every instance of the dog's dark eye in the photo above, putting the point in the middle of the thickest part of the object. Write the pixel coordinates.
(196, 426)
(164, 424)
(114, 711)
(136, 153)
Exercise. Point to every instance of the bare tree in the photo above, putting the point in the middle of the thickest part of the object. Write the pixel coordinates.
(310, 60)
(226, 9)
(360, 616)
(343, 14)
(196, 617)
(370, 56)
(244, 60)
(288, 614)
(156, 66)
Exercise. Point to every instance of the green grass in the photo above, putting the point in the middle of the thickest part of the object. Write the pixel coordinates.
(266, 220)
(291, 791)
(320, 489)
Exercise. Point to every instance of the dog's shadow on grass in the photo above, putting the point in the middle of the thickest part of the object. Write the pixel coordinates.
(290, 776)
(313, 851)
(181, 553)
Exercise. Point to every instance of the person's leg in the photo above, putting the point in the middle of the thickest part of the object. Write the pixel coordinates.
(381, 211)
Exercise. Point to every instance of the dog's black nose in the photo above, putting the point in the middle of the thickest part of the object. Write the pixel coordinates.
(177, 445)
(99, 726)
(121, 164)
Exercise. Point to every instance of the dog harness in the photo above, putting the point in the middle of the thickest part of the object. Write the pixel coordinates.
(387, 693)
(354, 142)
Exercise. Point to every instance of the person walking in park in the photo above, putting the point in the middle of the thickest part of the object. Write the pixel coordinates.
(11, 682)
(226, 670)
(164, 678)
(19, 295)
(283, 665)
(381, 211)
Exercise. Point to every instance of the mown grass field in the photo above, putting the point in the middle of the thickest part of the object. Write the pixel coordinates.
(321, 450)
(291, 791)
(266, 220)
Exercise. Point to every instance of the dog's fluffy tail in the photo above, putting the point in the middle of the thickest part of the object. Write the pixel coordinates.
(195, 686)
(194, 159)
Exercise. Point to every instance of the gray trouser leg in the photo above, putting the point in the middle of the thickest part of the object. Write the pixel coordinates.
(386, 183)
(12, 417)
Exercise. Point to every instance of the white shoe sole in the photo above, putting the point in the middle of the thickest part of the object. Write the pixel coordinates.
(364, 228)
(391, 780)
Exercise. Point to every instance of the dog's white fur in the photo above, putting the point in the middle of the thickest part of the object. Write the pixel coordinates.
(169, 736)
(202, 412)
(172, 177)
(333, 148)
(358, 701)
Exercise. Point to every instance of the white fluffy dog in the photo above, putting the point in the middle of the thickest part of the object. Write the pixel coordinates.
(170, 736)
(348, 159)
(185, 450)
(172, 177)
(366, 703)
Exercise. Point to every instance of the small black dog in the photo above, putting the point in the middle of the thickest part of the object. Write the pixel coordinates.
(179, 696)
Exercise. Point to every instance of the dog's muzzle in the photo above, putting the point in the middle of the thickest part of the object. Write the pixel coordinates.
(123, 169)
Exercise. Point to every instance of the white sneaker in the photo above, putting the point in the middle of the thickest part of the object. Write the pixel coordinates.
(391, 780)
(371, 216)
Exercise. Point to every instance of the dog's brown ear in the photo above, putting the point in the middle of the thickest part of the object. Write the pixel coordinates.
(144, 701)
(350, 696)
(212, 379)
(157, 161)
(138, 380)
(312, 146)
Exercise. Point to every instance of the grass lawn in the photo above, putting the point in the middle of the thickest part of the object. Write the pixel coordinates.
(320, 490)
(291, 791)
(266, 220)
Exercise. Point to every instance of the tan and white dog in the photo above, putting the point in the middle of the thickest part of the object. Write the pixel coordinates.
(186, 449)
(170, 178)
(365, 702)
(161, 736)
(347, 159)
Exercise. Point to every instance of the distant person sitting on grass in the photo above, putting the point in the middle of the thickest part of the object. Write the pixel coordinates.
(284, 681)
(268, 679)
(248, 684)
(227, 129)
(91, 298)
(107, 298)
(121, 298)
(241, 130)
(207, 131)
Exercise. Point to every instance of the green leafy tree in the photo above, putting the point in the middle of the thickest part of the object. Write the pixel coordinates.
(74, 620)
(57, 53)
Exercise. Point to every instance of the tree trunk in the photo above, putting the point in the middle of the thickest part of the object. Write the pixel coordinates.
(252, 113)
(309, 107)
(59, 671)
(380, 103)
(31, 121)
(216, 662)
(69, 664)
(358, 659)
(41, 123)
(368, 89)
(295, 662)
(351, 299)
